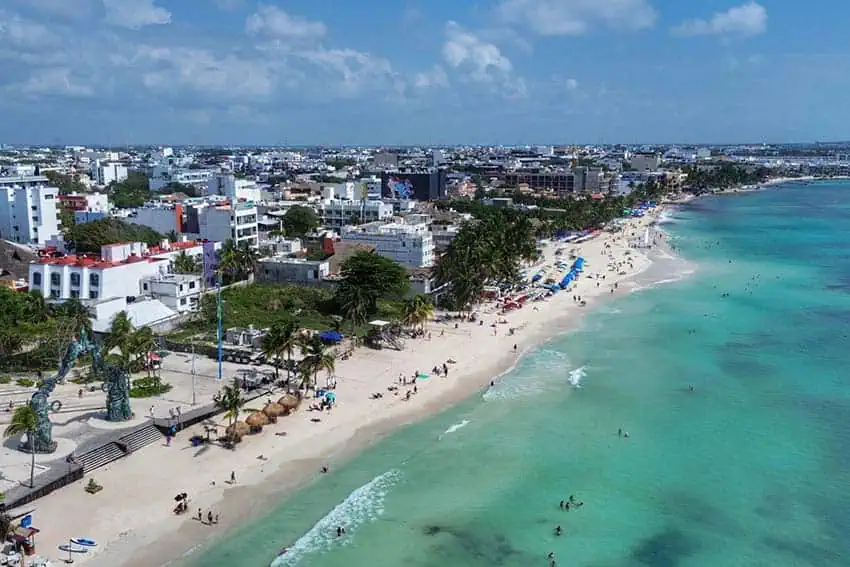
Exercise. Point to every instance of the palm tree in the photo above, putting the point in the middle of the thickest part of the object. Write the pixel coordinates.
(417, 310)
(231, 401)
(353, 304)
(25, 420)
(120, 336)
(185, 264)
(316, 358)
(228, 260)
(79, 314)
(247, 260)
(282, 339)
(142, 343)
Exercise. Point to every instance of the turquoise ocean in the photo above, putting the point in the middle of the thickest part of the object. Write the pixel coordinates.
(750, 468)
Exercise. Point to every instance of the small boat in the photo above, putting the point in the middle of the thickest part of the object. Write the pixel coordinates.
(85, 542)
(73, 548)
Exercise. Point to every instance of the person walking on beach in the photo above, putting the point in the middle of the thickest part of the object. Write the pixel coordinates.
(232, 477)
(209, 517)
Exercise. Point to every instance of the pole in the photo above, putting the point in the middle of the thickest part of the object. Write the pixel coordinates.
(219, 333)
(70, 544)
(193, 373)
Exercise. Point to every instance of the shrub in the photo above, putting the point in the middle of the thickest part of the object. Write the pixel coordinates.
(5, 379)
(149, 386)
(25, 382)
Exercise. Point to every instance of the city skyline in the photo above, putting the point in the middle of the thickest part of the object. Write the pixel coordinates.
(234, 72)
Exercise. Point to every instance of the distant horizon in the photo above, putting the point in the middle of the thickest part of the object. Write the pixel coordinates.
(62, 146)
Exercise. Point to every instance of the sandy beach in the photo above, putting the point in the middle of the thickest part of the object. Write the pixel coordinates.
(132, 516)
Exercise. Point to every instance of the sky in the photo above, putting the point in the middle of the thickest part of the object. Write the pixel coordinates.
(437, 72)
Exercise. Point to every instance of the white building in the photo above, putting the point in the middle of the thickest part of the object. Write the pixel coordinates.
(336, 213)
(180, 292)
(236, 222)
(234, 188)
(411, 245)
(162, 176)
(28, 211)
(105, 173)
(118, 272)
(645, 162)
(161, 218)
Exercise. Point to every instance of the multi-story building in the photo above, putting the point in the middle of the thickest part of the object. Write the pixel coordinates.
(88, 202)
(443, 235)
(105, 173)
(283, 270)
(224, 222)
(28, 213)
(420, 185)
(336, 213)
(180, 292)
(410, 245)
(162, 217)
(645, 161)
(563, 183)
(161, 176)
(118, 272)
(234, 188)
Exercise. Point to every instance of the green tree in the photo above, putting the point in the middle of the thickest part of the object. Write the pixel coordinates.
(120, 337)
(88, 238)
(300, 220)
(130, 193)
(353, 304)
(376, 277)
(78, 314)
(316, 357)
(25, 421)
(186, 264)
(230, 400)
(416, 311)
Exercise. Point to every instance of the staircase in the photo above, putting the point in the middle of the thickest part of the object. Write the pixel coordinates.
(101, 456)
(143, 437)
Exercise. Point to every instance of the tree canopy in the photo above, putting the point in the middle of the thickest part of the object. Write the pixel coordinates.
(65, 183)
(368, 277)
(130, 193)
(89, 237)
(300, 220)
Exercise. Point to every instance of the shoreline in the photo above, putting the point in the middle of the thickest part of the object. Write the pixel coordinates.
(141, 531)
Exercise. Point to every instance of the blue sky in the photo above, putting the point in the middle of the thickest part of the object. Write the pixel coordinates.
(423, 72)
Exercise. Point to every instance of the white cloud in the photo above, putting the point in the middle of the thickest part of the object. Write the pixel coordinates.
(71, 9)
(227, 77)
(135, 14)
(20, 33)
(274, 22)
(465, 50)
(353, 70)
(571, 84)
(744, 21)
(433, 78)
(576, 17)
(55, 82)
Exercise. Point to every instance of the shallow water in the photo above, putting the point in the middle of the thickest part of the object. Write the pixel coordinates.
(749, 469)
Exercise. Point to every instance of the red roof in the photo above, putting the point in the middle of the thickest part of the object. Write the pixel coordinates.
(98, 263)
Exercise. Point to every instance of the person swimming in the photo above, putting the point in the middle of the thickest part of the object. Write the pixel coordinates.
(558, 530)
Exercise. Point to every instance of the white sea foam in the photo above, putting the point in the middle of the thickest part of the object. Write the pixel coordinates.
(665, 217)
(677, 278)
(361, 506)
(455, 427)
(543, 372)
(576, 376)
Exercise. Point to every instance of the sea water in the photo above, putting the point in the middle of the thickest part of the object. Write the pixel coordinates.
(732, 385)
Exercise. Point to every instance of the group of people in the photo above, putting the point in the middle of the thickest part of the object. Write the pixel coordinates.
(569, 504)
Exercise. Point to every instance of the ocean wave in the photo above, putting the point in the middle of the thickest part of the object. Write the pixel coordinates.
(454, 428)
(677, 278)
(666, 217)
(576, 376)
(542, 372)
(363, 505)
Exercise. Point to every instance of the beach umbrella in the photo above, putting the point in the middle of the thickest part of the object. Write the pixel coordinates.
(241, 427)
(289, 402)
(273, 410)
(257, 420)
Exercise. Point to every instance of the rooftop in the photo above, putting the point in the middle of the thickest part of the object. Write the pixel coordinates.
(92, 261)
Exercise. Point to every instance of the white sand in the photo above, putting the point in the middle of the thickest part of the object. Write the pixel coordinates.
(132, 516)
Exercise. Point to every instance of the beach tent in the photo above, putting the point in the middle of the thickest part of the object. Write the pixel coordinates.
(330, 336)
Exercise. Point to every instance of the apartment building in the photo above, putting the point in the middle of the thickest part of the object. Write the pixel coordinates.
(161, 176)
(234, 188)
(411, 245)
(103, 174)
(28, 212)
(222, 222)
(284, 270)
(180, 292)
(120, 271)
(336, 213)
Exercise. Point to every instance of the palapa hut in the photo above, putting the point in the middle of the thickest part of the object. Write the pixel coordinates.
(256, 421)
(236, 431)
(289, 402)
(273, 410)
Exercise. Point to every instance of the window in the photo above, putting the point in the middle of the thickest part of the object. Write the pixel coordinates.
(48, 197)
(94, 280)
(36, 279)
(75, 280)
(181, 287)
(54, 293)
(55, 279)
(75, 293)
(191, 285)
(183, 301)
(93, 294)
(145, 287)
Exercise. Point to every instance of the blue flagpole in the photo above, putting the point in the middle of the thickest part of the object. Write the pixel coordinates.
(219, 333)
